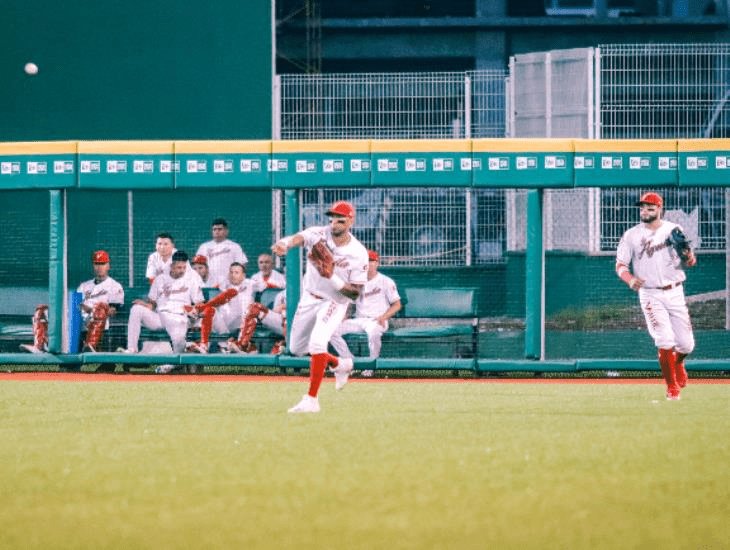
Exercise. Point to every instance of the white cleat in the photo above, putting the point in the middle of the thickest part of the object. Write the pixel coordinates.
(308, 404)
(342, 372)
(30, 348)
(125, 350)
(164, 369)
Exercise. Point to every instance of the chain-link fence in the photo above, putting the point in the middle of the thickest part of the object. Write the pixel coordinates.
(664, 91)
(392, 105)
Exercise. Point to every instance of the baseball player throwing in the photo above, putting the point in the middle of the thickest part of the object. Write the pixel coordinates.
(336, 271)
(378, 302)
(650, 260)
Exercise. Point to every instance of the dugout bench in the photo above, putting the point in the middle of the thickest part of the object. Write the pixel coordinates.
(437, 329)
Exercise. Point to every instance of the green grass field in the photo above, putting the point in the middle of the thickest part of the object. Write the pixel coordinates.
(384, 465)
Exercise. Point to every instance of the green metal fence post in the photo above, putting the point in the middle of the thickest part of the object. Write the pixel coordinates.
(293, 257)
(534, 277)
(56, 270)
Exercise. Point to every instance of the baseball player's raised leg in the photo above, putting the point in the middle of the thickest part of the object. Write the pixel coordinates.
(660, 329)
(95, 326)
(140, 316)
(176, 326)
(348, 326)
(40, 331)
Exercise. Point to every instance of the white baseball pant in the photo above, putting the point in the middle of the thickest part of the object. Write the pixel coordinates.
(176, 325)
(315, 320)
(667, 318)
(274, 322)
(369, 326)
(226, 322)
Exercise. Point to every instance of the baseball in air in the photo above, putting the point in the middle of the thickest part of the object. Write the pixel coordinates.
(31, 68)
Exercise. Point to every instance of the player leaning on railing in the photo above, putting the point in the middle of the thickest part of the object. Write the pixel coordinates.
(657, 251)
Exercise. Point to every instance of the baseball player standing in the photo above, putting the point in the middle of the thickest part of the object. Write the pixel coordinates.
(650, 259)
(378, 302)
(165, 307)
(336, 271)
(159, 261)
(221, 251)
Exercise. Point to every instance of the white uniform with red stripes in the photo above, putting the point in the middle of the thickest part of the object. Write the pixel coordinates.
(170, 295)
(321, 307)
(662, 295)
(220, 256)
(378, 294)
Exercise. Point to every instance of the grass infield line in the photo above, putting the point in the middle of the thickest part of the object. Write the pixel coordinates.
(197, 378)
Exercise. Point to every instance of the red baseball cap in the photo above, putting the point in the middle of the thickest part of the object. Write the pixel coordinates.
(651, 198)
(342, 208)
(100, 257)
(373, 256)
(200, 259)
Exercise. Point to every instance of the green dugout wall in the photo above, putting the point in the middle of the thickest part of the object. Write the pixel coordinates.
(136, 70)
(211, 170)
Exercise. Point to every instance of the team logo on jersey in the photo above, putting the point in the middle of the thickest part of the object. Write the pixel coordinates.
(168, 290)
(650, 249)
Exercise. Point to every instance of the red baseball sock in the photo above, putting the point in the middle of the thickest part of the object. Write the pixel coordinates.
(667, 364)
(317, 366)
(680, 372)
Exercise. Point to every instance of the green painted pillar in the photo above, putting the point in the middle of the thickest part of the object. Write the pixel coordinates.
(293, 257)
(56, 270)
(534, 277)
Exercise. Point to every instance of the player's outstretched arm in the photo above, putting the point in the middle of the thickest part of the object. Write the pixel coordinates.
(281, 246)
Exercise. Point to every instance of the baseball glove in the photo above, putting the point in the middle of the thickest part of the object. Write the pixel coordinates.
(321, 256)
(678, 240)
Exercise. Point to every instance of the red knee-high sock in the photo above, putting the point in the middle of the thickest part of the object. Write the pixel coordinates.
(317, 366)
(667, 364)
(206, 324)
(680, 372)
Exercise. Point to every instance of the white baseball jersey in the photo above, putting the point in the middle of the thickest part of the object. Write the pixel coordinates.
(351, 264)
(274, 280)
(108, 291)
(157, 266)
(378, 294)
(172, 294)
(239, 305)
(220, 256)
(210, 282)
(650, 256)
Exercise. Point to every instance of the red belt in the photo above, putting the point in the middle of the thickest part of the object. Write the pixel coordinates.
(669, 287)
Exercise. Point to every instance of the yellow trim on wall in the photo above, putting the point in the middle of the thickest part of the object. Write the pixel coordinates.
(39, 148)
(625, 145)
(223, 146)
(126, 147)
(531, 145)
(321, 146)
(421, 146)
(692, 145)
